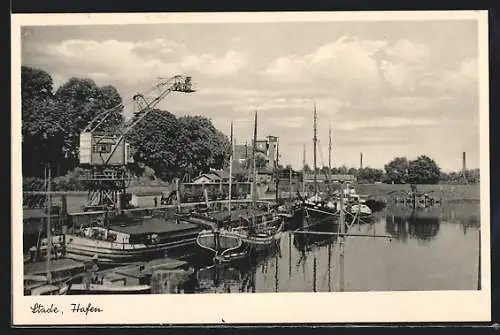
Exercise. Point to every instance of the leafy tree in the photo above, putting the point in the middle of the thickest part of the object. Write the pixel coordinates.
(397, 170)
(175, 147)
(42, 134)
(154, 143)
(260, 160)
(473, 176)
(456, 178)
(35, 84)
(369, 175)
(352, 171)
(201, 145)
(80, 100)
(423, 170)
(307, 169)
(342, 170)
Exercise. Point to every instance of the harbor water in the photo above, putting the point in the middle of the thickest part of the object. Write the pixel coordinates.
(430, 249)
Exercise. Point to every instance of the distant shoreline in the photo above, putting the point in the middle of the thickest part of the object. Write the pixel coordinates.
(382, 192)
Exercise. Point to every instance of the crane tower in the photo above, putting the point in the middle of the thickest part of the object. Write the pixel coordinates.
(107, 154)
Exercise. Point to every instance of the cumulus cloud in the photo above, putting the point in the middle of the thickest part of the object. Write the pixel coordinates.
(380, 88)
(351, 65)
(463, 80)
(346, 62)
(133, 61)
(228, 65)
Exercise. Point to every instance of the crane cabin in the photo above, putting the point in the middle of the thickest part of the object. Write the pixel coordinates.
(99, 149)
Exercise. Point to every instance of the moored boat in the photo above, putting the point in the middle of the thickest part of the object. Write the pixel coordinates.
(121, 244)
(363, 210)
(107, 288)
(222, 244)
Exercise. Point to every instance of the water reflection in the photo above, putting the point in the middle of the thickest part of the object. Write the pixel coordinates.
(423, 223)
(417, 258)
(418, 225)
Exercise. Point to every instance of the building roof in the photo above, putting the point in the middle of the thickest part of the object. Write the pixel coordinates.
(211, 176)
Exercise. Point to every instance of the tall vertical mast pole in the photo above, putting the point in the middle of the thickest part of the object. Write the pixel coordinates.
(231, 170)
(49, 231)
(276, 169)
(315, 140)
(254, 170)
(330, 150)
(304, 169)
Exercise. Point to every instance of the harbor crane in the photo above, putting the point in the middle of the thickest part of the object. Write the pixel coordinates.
(108, 155)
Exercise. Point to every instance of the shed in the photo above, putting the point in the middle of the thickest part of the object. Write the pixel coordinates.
(207, 178)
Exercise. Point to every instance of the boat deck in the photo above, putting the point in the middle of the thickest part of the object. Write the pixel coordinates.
(153, 226)
(235, 214)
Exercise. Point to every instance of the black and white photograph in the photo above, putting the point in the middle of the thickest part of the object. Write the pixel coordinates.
(294, 154)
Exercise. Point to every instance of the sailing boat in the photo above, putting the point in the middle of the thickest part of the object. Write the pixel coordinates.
(44, 285)
(256, 234)
(316, 207)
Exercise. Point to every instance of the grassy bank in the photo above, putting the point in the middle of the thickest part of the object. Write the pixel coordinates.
(384, 192)
(446, 192)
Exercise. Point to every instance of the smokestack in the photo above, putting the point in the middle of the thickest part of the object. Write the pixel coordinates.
(361, 160)
(464, 166)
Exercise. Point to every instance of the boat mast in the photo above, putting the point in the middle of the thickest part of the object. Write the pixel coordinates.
(304, 169)
(254, 171)
(315, 140)
(330, 150)
(231, 170)
(49, 232)
(276, 169)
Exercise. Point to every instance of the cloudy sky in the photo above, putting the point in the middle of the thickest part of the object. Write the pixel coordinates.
(386, 88)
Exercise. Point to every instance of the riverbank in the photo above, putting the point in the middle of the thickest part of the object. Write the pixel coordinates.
(446, 192)
(385, 192)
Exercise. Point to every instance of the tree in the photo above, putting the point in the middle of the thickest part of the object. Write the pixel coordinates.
(397, 170)
(307, 169)
(35, 84)
(154, 142)
(51, 123)
(42, 134)
(473, 176)
(80, 100)
(201, 145)
(175, 147)
(423, 170)
(352, 171)
(369, 175)
(260, 160)
(342, 170)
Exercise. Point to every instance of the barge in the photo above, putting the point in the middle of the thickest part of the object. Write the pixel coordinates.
(122, 244)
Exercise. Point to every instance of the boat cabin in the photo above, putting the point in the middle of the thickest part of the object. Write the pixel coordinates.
(148, 232)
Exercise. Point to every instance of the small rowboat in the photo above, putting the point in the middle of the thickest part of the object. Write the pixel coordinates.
(106, 288)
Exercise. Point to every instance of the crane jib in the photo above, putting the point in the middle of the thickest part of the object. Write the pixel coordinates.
(91, 146)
